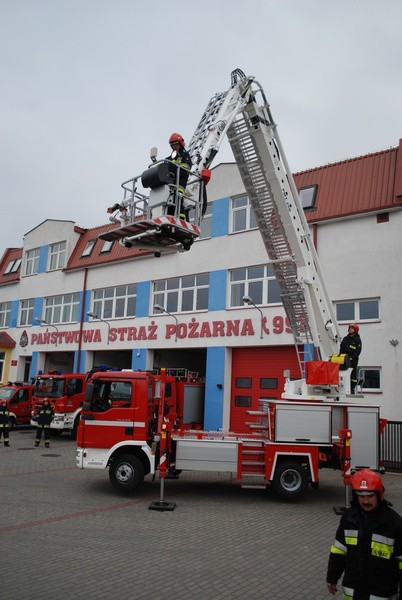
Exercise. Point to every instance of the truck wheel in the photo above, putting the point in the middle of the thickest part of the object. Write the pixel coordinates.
(126, 472)
(75, 427)
(290, 480)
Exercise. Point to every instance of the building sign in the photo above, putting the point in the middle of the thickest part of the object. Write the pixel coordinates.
(180, 330)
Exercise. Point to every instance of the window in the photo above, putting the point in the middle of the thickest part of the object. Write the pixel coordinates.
(358, 310)
(111, 394)
(307, 196)
(32, 261)
(13, 266)
(182, 294)
(243, 216)
(5, 310)
(62, 309)
(115, 302)
(107, 246)
(88, 248)
(243, 382)
(372, 379)
(243, 401)
(206, 222)
(57, 256)
(268, 383)
(26, 312)
(258, 282)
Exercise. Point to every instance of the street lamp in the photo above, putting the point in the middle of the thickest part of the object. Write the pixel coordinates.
(94, 316)
(161, 309)
(43, 322)
(248, 300)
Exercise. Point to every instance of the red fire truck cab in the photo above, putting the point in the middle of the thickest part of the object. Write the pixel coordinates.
(65, 391)
(19, 402)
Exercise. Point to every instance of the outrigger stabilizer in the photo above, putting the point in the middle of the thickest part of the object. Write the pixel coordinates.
(169, 218)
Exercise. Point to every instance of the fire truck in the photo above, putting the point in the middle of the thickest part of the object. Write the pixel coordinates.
(65, 392)
(317, 422)
(19, 402)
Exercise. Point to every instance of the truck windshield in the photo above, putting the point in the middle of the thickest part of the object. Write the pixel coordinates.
(6, 393)
(49, 388)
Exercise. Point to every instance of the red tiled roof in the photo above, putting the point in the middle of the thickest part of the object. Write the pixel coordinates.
(9, 255)
(363, 184)
(6, 341)
(117, 253)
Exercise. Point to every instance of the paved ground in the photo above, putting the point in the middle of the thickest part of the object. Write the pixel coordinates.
(66, 533)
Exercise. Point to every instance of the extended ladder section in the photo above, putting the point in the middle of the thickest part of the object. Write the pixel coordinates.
(268, 181)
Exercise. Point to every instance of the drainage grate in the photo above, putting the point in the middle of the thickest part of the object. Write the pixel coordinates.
(51, 454)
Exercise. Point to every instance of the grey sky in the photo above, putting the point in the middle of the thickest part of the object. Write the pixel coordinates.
(88, 86)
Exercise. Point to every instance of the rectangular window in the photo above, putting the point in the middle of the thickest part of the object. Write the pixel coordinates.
(372, 379)
(243, 401)
(307, 196)
(182, 294)
(13, 266)
(268, 383)
(62, 309)
(259, 283)
(243, 382)
(107, 246)
(243, 217)
(88, 248)
(26, 312)
(57, 256)
(358, 310)
(5, 310)
(115, 302)
(32, 261)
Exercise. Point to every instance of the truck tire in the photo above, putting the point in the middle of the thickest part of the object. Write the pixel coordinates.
(290, 480)
(126, 472)
(75, 427)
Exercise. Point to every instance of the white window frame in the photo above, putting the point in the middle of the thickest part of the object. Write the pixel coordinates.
(356, 318)
(88, 248)
(172, 293)
(372, 390)
(13, 266)
(247, 285)
(32, 261)
(62, 309)
(57, 256)
(5, 312)
(250, 218)
(26, 312)
(107, 246)
(106, 302)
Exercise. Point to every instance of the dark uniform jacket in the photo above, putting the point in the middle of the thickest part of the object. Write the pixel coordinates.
(183, 159)
(45, 415)
(368, 549)
(4, 415)
(352, 346)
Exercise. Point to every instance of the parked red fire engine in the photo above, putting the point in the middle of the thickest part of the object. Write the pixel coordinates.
(19, 402)
(318, 422)
(65, 391)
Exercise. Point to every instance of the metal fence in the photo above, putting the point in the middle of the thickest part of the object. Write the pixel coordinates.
(391, 446)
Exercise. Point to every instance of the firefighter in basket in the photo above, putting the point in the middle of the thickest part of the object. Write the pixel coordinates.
(180, 157)
(352, 346)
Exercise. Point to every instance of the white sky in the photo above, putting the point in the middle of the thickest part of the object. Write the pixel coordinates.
(88, 86)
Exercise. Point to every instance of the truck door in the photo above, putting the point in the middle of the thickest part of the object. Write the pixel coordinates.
(114, 409)
(21, 405)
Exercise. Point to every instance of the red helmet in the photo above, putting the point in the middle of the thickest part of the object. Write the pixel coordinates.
(355, 327)
(176, 138)
(367, 480)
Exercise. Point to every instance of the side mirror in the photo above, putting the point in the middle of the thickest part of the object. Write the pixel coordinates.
(89, 392)
(153, 154)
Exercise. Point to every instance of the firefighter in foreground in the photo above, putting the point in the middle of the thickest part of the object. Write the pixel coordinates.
(352, 346)
(4, 422)
(45, 417)
(368, 545)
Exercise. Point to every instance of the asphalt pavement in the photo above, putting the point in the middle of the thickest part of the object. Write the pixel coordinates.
(66, 533)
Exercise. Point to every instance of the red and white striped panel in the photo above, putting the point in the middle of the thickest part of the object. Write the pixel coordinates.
(168, 220)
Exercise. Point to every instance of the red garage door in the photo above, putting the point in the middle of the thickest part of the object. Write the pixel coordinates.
(258, 373)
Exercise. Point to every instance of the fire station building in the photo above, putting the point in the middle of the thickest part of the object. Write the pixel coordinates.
(70, 301)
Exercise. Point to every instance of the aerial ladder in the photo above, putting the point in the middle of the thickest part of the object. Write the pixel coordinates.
(242, 115)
